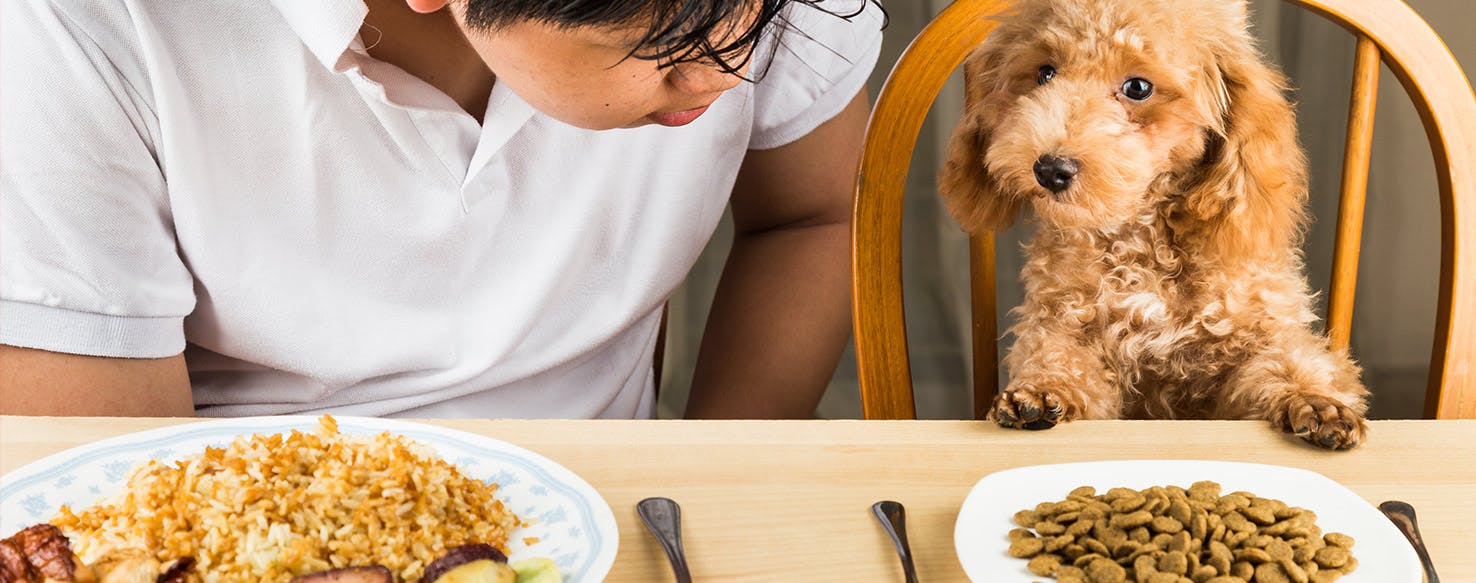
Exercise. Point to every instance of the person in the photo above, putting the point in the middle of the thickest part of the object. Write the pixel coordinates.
(420, 207)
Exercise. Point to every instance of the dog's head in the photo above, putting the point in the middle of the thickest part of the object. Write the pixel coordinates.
(1094, 112)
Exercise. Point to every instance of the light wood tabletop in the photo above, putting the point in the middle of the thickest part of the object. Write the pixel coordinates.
(790, 500)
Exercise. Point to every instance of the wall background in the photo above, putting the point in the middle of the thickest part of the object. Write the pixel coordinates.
(1394, 312)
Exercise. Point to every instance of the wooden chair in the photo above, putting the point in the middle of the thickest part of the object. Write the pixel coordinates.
(1386, 29)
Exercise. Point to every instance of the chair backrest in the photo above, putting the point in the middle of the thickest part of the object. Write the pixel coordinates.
(1386, 29)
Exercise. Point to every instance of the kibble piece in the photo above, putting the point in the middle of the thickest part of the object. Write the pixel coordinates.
(1279, 549)
(1082, 492)
(1270, 573)
(1044, 564)
(1027, 518)
(1105, 570)
(1226, 579)
(1293, 571)
(1057, 543)
(1174, 562)
(1243, 570)
(1144, 565)
(1252, 555)
(1338, 539)
(1180, 542)
(1163, 578)
(1080, 527)
(1234, 521)
(1220, 557)
(1125, 549)
(1165, 524)
(1131, 520)
(1331, 557)
(1262, 514)
(1179, 511)
(1087, 559)
(1140, 535)
(1050, 528)
(1204, 491)
(1198, 524)
(1026, 547)
(1231, 502)
(1148, 549)
(1203, 573)
(1326, 576)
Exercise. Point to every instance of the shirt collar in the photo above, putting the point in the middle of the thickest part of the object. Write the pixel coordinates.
(326, 26)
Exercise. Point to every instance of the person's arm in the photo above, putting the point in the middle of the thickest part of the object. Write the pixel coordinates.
(40, 382)
(782, 313)
(89, 264)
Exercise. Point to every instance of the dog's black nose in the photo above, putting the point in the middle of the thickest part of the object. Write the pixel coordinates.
(1055, 173)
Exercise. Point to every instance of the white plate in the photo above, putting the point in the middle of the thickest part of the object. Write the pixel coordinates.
(573, 524)
(979, 535)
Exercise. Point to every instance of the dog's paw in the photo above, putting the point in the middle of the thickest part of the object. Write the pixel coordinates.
(1028, 408)
(1322, 422)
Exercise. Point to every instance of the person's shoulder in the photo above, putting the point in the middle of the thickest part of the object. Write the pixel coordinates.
(121, 24)
(830, 29)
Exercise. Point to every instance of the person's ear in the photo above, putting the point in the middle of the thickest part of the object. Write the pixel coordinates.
(426, 6)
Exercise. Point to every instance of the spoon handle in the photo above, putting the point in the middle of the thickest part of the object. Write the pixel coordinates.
(1403, 516)
(664, 519)
(893, 519)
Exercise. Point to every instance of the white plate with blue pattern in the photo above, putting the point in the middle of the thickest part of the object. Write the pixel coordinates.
(571, 523)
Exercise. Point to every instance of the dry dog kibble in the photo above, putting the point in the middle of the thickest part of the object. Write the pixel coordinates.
(1171, 534)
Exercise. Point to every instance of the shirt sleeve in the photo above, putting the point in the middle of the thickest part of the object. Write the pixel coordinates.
(88, 259)
(818, 58)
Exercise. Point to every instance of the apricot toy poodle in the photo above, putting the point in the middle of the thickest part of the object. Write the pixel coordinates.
(1158, 155)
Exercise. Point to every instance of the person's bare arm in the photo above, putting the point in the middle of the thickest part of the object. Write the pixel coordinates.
(783, 312)
(39, 382)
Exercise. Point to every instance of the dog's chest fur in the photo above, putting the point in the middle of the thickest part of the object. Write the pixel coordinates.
(1166, 322)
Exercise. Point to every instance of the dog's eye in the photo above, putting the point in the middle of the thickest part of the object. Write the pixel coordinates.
(1137, 89)
(1045, 73)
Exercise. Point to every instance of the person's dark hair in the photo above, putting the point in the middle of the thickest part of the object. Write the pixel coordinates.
(675, 31)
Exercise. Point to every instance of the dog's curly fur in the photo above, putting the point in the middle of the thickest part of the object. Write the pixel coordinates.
(1166, 281)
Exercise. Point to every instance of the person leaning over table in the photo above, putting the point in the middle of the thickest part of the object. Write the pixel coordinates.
(420, 207)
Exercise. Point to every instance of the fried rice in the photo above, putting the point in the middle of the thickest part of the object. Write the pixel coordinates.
(271, 507)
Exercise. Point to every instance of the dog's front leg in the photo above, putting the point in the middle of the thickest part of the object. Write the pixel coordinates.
(1301, 387)
(1054, 378)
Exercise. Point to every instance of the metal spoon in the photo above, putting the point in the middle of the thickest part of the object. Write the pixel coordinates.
(664, 519)
(893, 519)
(1403, 516)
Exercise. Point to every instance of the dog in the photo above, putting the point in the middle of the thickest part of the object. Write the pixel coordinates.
(1158, 155)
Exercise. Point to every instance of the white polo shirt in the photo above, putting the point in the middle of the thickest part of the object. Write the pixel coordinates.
(321, 231)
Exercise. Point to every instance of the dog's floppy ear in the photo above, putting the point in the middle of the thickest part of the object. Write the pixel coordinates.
(968, 191)
(1250, 189)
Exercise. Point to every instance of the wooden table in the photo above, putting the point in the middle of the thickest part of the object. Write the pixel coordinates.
(790, 500)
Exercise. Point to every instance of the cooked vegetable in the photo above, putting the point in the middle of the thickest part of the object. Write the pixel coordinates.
(464, 554)
(538, 570)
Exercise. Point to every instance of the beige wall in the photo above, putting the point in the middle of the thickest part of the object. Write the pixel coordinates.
(1395, 307)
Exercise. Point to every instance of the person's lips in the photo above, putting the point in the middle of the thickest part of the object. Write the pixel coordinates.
(677, 118)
